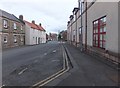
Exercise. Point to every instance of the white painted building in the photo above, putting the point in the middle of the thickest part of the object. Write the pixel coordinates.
(34, 34)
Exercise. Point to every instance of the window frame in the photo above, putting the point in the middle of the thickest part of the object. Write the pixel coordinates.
(99, 41)
(5, 23)
(15, 38)
(21, 27)
(15, 26)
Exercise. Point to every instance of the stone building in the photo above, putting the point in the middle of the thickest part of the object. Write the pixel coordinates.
(12, 30)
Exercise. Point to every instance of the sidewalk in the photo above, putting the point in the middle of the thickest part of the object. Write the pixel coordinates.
(89, 71)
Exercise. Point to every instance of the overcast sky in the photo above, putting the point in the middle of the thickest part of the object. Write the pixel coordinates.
(53, 14)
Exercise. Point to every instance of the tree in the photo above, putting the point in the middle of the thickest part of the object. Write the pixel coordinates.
(59, 37)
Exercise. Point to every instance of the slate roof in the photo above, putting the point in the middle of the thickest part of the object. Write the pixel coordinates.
(9, 16)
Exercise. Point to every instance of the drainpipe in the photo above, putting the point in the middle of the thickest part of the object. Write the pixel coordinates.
(86, 26)
(76, 30)
(81, 25)
(71, 32)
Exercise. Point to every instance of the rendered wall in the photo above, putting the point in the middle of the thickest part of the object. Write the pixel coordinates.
(98, 10)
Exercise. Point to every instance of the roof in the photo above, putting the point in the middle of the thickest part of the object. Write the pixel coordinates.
(75, 9)
(35, 26)
(31, 25)
(9, 16)
(41, 28)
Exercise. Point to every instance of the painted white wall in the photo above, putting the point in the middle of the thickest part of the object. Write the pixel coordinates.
(27, 34)
(43, 36)
(34, 36)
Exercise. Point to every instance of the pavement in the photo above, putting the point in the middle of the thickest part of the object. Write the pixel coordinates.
(87, 71)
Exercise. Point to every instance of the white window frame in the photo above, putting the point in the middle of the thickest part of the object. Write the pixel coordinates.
(15, 38)
(21, 38)
(15, 26)
(5, 23)
(21, 27)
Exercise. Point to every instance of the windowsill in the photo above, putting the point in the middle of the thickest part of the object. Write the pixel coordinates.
(5, 43)
(5, 27)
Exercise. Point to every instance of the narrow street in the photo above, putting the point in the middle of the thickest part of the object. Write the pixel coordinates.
(28, 65)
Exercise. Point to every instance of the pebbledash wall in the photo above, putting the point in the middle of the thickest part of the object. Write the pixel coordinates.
(101, 20)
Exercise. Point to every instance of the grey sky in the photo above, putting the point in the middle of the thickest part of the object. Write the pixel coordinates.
(53, 14)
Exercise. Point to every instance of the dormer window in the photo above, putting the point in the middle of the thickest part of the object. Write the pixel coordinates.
(5, 24)
(15, 26)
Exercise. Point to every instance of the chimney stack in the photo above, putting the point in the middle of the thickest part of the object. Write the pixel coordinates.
(33, 22)
(21, 17)
(40, 24)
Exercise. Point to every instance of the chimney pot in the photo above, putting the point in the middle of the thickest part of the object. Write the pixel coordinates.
(21, 17)
(40, 24)
(33, 22)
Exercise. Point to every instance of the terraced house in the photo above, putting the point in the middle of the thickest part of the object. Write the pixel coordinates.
(12, 30)
(34, 34)
(94, 27)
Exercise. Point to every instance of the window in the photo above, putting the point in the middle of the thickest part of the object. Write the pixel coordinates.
(99, 33)
(5, 39)
(15, 26)
(5, 24)
(15, 39)
(81, 6)
(74, 35)
(80, 31)
(74, 18)
(21, 28)
(21, 39)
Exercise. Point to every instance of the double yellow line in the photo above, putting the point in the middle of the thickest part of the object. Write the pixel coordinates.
(56, 75)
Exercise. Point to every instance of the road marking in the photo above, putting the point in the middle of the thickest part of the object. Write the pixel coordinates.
(54, 51)
(55, 60)
(54, 76)
(45, 54)
(22, 71)
(64, 70)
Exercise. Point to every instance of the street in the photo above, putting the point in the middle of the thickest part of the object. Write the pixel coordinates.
(28, 65)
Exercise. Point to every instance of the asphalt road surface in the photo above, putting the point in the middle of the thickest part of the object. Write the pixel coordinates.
(27, 65)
